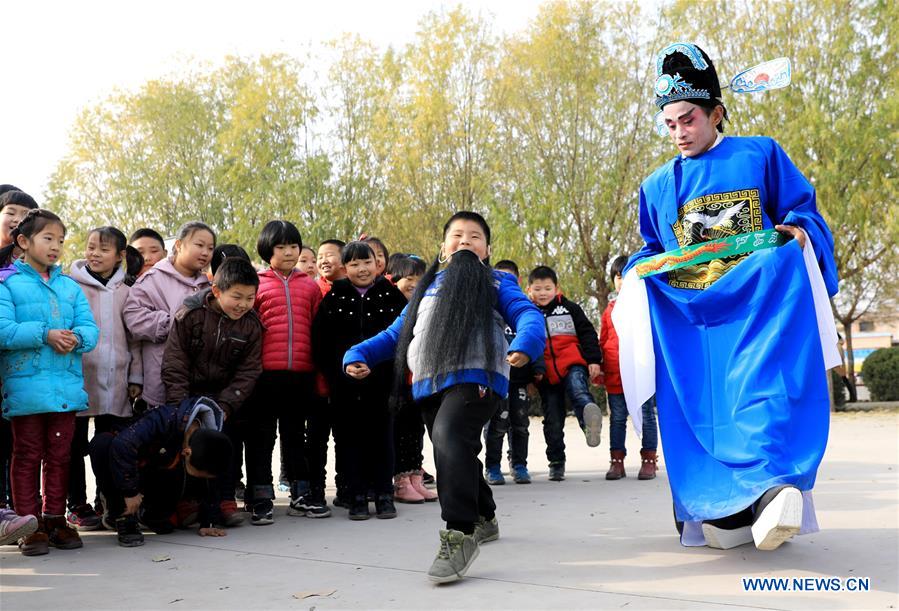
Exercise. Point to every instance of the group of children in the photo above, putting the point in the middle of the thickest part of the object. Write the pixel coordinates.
(190, 377)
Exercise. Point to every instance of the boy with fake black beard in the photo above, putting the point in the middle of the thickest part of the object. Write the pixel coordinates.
(451, 337)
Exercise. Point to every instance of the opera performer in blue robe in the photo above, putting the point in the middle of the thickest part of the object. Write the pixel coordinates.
(735, 349)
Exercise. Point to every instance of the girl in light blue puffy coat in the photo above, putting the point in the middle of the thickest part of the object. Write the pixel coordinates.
(45, 326)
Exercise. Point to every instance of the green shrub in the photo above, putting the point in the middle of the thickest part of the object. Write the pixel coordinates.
(881, 374)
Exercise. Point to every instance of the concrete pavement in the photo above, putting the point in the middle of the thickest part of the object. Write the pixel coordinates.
(583, 543)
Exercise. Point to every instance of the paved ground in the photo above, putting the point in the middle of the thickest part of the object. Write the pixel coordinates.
(583, 543)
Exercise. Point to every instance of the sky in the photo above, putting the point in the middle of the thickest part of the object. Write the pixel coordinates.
(59, 57)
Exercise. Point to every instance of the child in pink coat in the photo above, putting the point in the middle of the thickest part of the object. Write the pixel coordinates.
(157, 295)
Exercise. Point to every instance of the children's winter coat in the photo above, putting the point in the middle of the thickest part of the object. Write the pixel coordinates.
(287, 307)
(36, 378)
(116, 361)
(209, 354)
(570, 338)
(346, 318)
(155, 441)
(149, 310)
(608, 341)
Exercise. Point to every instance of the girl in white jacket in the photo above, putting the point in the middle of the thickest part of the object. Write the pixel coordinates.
(113, 374)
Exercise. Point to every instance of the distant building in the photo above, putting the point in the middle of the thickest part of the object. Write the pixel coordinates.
(872, 332)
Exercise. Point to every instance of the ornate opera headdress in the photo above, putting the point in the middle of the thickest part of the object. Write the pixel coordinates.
(685, 72)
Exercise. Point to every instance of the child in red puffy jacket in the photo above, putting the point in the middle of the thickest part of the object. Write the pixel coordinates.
(608, 341)
(573, 359)
(286, 303)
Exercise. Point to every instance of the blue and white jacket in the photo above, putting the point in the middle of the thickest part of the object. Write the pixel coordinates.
(512, 307)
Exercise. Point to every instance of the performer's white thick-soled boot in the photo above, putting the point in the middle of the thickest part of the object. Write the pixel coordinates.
(726, 538)
(777, 518)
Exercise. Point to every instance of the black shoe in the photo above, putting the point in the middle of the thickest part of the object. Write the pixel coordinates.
(129, 532)
(359, 509)
(316, 506)
(384, 507)
(557, 472)
(426, 478)
(262, 513)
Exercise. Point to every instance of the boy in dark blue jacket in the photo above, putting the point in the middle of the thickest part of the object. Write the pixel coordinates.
(169, 454)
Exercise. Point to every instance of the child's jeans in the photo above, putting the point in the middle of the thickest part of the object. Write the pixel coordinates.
(41, 440)
(618, 423)
(511, 417)
(576, 386)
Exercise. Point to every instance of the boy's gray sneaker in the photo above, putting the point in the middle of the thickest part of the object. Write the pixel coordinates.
(457, 552)
(592, 424)
(486, 530)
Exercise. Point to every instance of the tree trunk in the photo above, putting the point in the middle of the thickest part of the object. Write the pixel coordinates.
(830, 392)
(850, 361)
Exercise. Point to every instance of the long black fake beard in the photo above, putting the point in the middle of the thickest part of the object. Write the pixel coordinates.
(463, 313)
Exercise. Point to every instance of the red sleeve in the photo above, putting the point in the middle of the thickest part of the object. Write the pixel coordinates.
(604, 330)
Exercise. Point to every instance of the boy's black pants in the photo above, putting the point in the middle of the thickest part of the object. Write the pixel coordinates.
(455, 419)
(511, 417)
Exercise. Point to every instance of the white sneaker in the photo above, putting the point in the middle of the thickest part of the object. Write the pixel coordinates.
(778, 520)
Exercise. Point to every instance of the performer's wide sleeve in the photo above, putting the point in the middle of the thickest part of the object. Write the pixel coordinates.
(652, 242)
(523, 316)
(379, 348)
(792, 202)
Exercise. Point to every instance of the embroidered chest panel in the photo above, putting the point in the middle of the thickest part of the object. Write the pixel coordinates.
(710, 217)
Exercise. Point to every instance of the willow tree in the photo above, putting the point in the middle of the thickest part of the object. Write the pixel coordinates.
(230, 146)
(439, 138)
(574, 112)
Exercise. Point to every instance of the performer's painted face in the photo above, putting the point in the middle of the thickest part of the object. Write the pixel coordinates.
(466, 235)
(692, 131)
